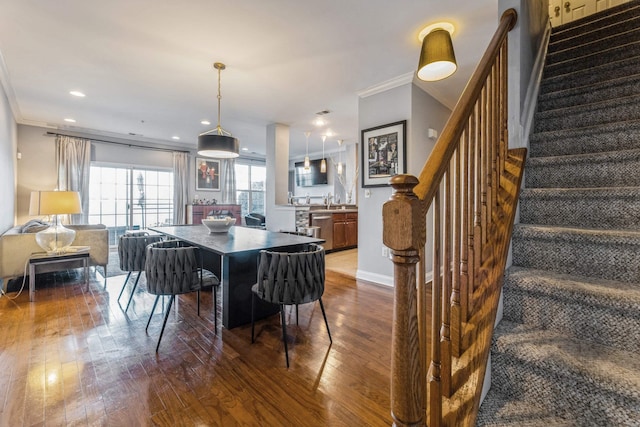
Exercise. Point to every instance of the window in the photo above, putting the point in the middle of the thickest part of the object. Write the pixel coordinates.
(250, 187)
(128, 198)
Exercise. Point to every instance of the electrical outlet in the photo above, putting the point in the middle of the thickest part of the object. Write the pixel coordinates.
(385, 251)
(367, 193)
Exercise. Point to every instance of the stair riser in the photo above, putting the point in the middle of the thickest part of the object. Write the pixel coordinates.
(593, 23)
(589, 76)
(606, 173)
(590, 94)
(572, 50)
(582, 316)
(621, 22)
(561, 395)
(574, 211)
(616, 137)
(591, 258)
(589, 61)
(587, 115)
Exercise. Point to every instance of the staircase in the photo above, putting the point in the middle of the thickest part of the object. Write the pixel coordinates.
(566, 351)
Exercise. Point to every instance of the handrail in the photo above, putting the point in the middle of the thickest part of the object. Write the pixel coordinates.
(470, 183)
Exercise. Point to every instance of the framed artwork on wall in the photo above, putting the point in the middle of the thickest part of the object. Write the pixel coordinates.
(207, 174)
(383, 153)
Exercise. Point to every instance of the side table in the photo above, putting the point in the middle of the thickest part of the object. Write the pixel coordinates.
(44, 259)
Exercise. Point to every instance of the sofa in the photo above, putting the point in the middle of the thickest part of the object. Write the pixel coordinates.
(18, 243)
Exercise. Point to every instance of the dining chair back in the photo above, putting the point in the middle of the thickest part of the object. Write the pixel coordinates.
(286, 278)
(132, 254)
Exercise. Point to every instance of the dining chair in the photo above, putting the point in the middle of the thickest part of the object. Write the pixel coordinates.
(286, 278)
(132, 253)
(173, 268)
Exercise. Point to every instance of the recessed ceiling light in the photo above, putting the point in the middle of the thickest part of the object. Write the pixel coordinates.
(77, 93)
(245, 149)
(175, 137)
(329, 133)
(205, 122)
(319, 122)
(70, 120)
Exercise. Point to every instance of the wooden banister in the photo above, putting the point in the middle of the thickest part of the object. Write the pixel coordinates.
(442, 328)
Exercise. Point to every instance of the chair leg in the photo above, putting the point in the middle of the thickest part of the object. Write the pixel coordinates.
(253, 304)
(325, 319)
(124, 285)
(152, 310)
(135, 285)
(166, 317)
(284, 334)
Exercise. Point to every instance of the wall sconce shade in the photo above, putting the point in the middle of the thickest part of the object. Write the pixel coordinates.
(437, 58)
(218, 142)
(56, 238)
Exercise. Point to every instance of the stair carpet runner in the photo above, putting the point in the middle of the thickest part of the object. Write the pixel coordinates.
(567, 351)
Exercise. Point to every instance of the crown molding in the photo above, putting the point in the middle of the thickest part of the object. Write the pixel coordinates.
(386, 85)
(8, 90)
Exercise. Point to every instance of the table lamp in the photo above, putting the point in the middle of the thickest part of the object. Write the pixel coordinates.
(56, 238)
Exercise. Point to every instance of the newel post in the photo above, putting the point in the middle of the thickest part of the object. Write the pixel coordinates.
(404, 232)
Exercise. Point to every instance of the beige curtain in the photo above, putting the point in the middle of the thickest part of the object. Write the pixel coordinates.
(229, 184)
(180, 186)
(73, 161)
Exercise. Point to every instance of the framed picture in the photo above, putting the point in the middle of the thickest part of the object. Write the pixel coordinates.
(383, 153)
(207, 174)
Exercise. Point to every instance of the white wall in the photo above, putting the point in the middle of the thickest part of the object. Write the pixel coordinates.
(8, 163)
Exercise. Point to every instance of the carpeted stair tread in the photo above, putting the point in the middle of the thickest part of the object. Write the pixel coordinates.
(578, 380)
(587, 32)
(593, 139)
(605, 254)
(598, 310)
(592, 59)
(607, 111)
(498, 410)
(591, 75)
(602, 208)
(628, 32)
(605, 169)
(591, 94)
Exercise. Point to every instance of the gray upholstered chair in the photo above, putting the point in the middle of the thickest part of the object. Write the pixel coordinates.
(172, 268)
(290, 279)
(255, 219)
(132, 252)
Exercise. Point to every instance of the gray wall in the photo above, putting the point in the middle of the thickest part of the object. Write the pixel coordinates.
(8, 163)
(406, 102)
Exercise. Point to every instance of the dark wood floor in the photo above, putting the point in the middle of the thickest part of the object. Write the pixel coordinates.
(73, 357)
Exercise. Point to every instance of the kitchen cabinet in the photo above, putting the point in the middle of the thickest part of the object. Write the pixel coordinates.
(345, 230)
(195, 213)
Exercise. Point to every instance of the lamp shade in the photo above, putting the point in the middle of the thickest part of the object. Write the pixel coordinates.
(218, 146)
(55, 203)
(437, 59)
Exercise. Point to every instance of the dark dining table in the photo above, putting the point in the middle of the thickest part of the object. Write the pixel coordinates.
(233, 257)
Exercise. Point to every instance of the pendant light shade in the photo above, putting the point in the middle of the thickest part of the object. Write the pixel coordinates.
(218, 142)
(437, 58)
(323, 163)
(307, 162)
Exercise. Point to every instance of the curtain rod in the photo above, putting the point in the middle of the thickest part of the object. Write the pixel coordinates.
(119, 143)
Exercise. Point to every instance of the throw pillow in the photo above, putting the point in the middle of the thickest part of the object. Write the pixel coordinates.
(33, 226)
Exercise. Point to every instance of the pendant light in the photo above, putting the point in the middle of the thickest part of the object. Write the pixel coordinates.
(218, 142)
(307, 162)
(340, 157)
(437, 59)
(323, 163)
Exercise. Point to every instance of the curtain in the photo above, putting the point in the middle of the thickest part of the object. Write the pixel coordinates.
(229, 184)
(73, 161)
(180, 186)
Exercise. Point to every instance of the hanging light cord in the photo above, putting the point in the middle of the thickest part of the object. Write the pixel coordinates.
(218, 66)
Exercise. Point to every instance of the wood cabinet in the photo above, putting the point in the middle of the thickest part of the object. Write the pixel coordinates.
(345, 230)
(195, 213)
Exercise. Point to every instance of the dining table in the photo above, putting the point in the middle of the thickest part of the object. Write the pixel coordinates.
(233, 256)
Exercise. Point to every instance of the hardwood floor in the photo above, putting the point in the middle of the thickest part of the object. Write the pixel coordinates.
(73, 357)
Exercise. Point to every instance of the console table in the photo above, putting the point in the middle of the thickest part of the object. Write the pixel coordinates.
(50, 261)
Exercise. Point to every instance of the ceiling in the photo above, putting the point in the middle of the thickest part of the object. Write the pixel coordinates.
(146, 66)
